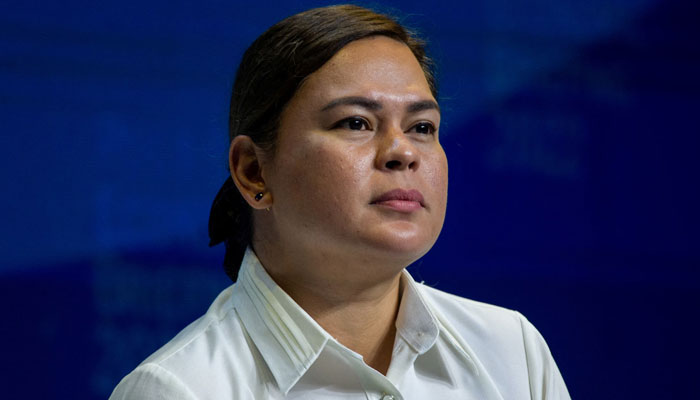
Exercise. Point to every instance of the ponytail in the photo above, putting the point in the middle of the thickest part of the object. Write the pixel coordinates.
(230, 221)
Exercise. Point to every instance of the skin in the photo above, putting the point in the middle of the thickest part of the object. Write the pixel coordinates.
(363, 124)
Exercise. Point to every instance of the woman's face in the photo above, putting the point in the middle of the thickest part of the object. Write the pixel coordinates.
(358, 168)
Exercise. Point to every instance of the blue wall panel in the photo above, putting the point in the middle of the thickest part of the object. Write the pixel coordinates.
(572, 135)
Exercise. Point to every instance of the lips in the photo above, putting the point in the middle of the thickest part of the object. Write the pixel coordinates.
(400, 200)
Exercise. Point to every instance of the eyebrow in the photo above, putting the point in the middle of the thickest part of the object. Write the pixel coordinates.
(373, 105)
(422, 106)
(353, 101)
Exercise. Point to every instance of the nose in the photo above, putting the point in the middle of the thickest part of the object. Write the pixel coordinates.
(396, 152)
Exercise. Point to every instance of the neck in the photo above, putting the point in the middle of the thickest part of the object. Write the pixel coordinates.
(364, 324)
(358, 308)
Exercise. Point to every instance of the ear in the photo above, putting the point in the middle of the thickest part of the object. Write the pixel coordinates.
(245, 161)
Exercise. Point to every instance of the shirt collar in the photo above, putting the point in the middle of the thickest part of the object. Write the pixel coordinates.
(415, 322)
(289, 340)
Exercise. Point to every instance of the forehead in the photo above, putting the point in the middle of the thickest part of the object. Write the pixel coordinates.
(377, 67)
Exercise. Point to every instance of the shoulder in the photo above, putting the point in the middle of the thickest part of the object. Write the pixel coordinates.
(206, 332)
(151, 381)
(473, 315)
(198, 362)
(507, 345)
(483, 324)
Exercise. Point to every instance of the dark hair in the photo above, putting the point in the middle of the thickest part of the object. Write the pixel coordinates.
(271, 71)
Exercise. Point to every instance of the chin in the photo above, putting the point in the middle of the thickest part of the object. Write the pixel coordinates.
(407, 248)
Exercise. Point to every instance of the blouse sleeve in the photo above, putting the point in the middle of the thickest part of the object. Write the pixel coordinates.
(151, 382)
(546, 382)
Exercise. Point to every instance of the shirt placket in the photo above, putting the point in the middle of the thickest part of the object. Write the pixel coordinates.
(375, 385)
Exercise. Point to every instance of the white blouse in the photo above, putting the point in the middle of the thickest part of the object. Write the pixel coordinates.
(255, 342)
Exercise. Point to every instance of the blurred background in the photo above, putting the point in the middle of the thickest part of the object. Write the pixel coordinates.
(572, 134)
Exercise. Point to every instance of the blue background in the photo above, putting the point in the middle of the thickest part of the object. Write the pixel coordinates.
(571, 130)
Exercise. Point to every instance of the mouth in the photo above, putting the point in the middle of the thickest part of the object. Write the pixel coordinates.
(400, 200)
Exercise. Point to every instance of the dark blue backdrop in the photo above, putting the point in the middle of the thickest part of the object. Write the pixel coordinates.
(572, 134)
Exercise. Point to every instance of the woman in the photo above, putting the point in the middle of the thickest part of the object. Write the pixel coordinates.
(338, 182)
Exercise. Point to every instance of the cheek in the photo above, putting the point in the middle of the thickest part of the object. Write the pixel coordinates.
(322, 176)
(436, 173)
(437, 177)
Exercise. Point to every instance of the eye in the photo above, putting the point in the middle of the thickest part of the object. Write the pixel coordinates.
(424, 127)
(353, 124)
